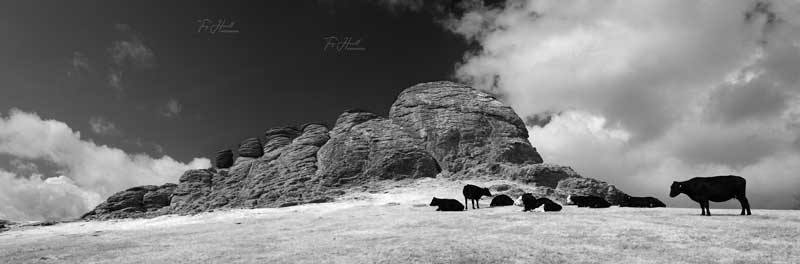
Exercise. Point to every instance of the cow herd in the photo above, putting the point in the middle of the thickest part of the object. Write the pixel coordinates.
(700, 189)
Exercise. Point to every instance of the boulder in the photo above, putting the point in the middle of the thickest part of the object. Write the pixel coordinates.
(276, 139)
(463, 127)
(160, 197)
(224, 159)
(251, 148)
(589, 186)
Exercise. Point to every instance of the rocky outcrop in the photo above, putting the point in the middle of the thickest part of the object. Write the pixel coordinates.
(431, 128)
(224, 159)
(250, 148)
(138, 201)
(463, 127)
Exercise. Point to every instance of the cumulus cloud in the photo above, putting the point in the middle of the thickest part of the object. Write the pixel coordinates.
(172, 108)
(91, 172)
(647, 92)
(101, 126)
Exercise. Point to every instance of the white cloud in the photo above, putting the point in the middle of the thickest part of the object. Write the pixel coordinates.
(101, 126)
(91, 172)
(649, 91)
(172, 108)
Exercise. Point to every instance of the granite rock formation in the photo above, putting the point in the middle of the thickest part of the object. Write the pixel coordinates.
(251, 148)
(463, 127)
(431, 128)
(140, 201)
(224, 159)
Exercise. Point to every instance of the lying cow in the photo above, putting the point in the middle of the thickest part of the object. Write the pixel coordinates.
(648, 202)
(447, 204)
(501, 200)
(529, 202)
(474, 193)
(588, 201)
(715, 189)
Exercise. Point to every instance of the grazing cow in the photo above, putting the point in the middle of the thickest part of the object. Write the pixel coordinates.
(588, 201)
(447, 204)
(474, 193)
(501, 200)
(648, 202)
(715, 189)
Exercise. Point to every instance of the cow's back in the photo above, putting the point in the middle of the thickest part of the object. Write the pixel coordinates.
(717, 188)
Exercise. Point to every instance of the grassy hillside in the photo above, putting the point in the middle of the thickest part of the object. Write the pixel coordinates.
(399, 227)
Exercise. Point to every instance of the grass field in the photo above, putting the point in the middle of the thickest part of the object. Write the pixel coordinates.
(399, 227)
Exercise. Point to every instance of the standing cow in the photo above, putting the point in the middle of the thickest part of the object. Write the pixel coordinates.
(715, 189)
(474, 193)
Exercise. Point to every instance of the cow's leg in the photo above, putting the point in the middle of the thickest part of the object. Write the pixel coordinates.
(708, 209)
(466, 204)
(478, 202)
(745, 204)
(702, 208)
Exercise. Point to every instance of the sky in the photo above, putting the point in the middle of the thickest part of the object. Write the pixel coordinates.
(106, 95)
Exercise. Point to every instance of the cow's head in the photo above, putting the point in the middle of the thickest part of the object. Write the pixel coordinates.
(485, 191)
(434, 202)
(518, 201)
(675, 189)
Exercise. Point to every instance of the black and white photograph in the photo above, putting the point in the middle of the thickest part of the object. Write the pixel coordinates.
(400, 131)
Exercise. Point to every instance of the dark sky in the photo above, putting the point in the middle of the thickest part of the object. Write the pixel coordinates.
(229, 86)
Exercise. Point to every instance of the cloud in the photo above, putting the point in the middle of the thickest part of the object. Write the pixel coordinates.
(101, 126)
(129, 54)
(402, 5)
(647, 92)
(80, 65)
(91, 173)
(171, 109)
(24, 168)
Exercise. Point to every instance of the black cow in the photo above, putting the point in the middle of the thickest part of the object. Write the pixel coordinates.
(588, 201)
(648, 202)
(715, 189)
(501, 200)
(474, 193)
(528, 201)
(549, 205)
(447, 204)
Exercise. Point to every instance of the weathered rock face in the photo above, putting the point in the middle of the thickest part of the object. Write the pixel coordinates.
(432, 127)
(251, 148)
(192, 191)
(224, 159)
(365, 147)
(463, 127)
(138, 201)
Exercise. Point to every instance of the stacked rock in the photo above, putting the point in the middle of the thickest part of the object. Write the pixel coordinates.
(251, 148)
(224, 159)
